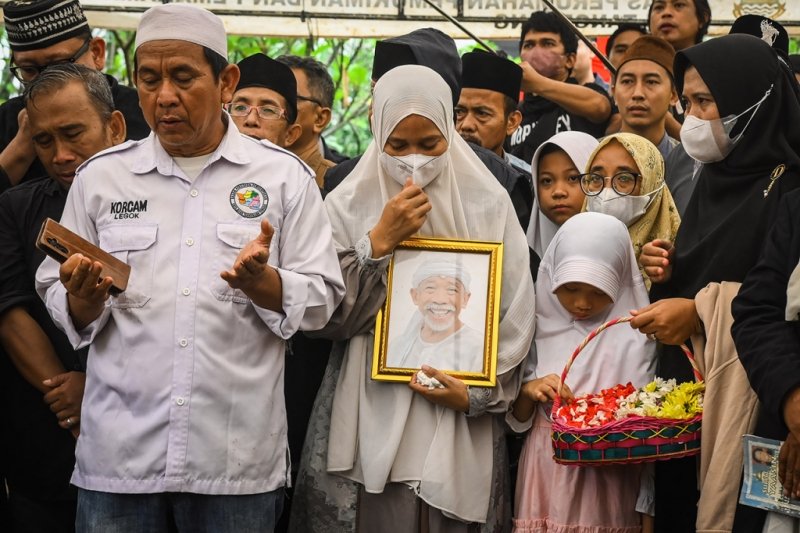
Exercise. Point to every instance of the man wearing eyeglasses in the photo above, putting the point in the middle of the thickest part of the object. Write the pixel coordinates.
(264, 105)
(314, 103)
(42, 33)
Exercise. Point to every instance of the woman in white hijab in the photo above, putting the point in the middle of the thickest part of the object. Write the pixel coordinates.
(556, 169)
(389, 457)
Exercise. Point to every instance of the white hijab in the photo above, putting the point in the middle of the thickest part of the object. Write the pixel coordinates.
(578, 146)
(382, 432)
(594, 249)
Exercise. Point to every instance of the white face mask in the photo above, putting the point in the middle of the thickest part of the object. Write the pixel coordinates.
(423, 169)
(626, 209)
(709, 141)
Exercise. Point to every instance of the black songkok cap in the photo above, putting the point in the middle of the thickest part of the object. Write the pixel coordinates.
(765, 29)
(37, 24)
(484, 70)
(260, 71)
(427, 47)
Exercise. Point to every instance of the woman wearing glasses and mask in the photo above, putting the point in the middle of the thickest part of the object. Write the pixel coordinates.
(625, 179)
(745, 138)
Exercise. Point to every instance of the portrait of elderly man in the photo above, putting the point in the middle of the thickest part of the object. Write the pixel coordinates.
(436, 335)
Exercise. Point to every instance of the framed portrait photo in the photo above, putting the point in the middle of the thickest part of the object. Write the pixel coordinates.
(442, 310)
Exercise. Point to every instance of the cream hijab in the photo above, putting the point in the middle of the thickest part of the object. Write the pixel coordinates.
(382, 432)
(661, 220)
(578, 146)
(591, 248)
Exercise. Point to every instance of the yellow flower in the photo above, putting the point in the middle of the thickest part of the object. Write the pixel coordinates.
(685, 401)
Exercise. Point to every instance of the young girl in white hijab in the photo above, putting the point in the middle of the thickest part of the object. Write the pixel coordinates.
(387, 456)
(588, 276)
(556, 169)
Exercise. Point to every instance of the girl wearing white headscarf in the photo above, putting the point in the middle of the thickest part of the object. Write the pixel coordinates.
(382, 456)
(552, 190)
(595, 250)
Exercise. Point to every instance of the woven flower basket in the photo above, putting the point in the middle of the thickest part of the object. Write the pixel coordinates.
(635, 439)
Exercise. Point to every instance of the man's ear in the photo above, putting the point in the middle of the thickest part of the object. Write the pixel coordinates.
(513, 122)
(322, 117)
(97, 47)
(414, 296)
(117, 127)
(569, 61)
(465, 300)
(228, 79)
(673, 97)
(293, 133)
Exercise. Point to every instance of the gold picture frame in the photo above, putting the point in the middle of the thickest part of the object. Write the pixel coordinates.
(441, 322)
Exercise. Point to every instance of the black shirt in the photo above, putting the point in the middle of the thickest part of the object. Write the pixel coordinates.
(40, 455)
(126, 100)
(541, 119)
(768, 345)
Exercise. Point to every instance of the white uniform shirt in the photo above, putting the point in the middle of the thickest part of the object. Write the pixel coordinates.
(184, 386)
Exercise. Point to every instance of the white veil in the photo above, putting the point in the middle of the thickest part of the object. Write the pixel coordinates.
(375, 433)
(596, 250)
(578, 146)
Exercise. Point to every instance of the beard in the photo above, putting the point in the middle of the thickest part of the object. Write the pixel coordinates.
(434, 324)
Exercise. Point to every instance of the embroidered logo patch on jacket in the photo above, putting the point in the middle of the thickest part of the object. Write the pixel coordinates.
(250, 200)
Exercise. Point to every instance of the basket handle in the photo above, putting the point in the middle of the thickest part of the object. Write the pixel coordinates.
(557, 402)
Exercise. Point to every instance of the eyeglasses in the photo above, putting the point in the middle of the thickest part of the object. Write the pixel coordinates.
(309, 99)
(623, 183)
(26, 73)
(267, 112)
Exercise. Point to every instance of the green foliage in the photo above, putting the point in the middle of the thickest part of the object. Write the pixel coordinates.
(8, 84)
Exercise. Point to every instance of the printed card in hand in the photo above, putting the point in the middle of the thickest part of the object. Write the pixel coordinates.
(761, 486)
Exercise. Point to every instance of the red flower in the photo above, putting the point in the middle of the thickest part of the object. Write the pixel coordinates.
(593, 410)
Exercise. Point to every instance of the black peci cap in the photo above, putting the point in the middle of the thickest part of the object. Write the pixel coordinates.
(484, 70)
(259, 70)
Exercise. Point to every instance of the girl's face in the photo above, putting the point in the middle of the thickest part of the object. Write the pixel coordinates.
(612, 159)
(582, 300)
(558, 187)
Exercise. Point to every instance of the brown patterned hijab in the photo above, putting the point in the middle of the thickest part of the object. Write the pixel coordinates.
(661, 220)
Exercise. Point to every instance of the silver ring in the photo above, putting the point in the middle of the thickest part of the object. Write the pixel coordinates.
(652, 336)
(69, 421)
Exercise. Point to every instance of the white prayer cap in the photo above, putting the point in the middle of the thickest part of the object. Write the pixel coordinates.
(448, 269)
(582, 270)
(183, 22)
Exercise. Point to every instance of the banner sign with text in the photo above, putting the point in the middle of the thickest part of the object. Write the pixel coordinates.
(491, 19)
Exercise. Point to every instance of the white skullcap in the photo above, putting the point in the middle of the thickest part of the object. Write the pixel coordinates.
(587, 271)
(448, 269)
(183, 22)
